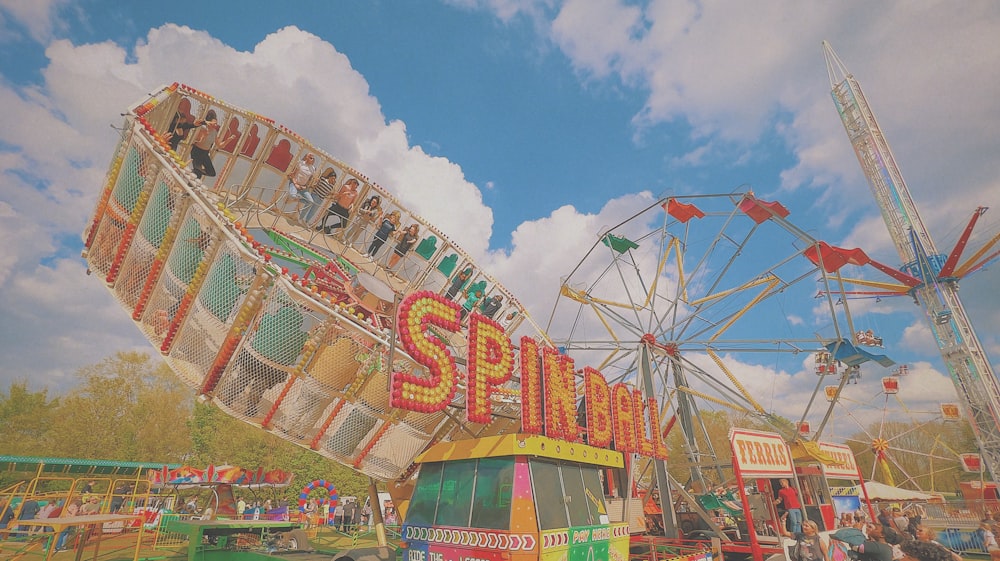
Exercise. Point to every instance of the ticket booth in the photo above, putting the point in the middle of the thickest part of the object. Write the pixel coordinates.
(758, 459)
(816, 497)
(842, 473)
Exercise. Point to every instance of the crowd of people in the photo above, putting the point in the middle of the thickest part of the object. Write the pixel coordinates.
(896, 534)
(348, 515)
(339, 209)
(262, 510)
(355, 222)
(324, 202)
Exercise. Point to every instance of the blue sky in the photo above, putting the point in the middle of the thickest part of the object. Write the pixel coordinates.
(521, 128)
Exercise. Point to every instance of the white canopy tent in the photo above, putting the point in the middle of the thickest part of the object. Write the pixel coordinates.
(882, 492)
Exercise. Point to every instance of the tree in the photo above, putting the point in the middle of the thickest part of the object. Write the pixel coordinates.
(220, 439)
(24, 418)
(921, 455)
(130, 407)
(126, 408)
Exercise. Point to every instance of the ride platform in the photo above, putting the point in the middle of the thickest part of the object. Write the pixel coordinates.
(232, 539)
(263, 540)
(89, 528)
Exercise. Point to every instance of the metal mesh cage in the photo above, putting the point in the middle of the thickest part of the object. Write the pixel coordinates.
(214, 310)
(111, 228)
(348, 431)
(340, 357)
(181, 274)
(272, 350)
(156, 219)
(394, 450)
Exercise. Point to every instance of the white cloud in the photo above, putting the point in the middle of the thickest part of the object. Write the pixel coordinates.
(732, 72)
(917, 337)
(597, 36)
(506, 10)
(35, 16)
(865, 404)
(543, 249)
(63, 139)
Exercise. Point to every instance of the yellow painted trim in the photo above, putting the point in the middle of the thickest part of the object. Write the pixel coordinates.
(751, 284)
(521, 445)
(735, 381)
(767, 289)
(889, 286)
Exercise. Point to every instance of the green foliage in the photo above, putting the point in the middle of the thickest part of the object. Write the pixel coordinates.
(129, 407)
(922, 456)
(25, 417)
(715, 438)
(220, 439)
(126, 408)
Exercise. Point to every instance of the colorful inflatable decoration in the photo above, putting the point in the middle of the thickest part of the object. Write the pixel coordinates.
(331, 495)
(186, 477)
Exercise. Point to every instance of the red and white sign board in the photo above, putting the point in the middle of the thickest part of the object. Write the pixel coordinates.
(846, 468)
(760, 454)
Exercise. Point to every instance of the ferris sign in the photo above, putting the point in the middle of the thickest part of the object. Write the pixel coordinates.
(760, 454)
(615, 414)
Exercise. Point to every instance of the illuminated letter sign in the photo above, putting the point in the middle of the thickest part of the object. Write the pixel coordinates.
(598, 402)
(615, 416)
(560, 396)
(623, 415)
(659, 447)
(531, 387)
(644, 444)
(491, 363)
(432, 393)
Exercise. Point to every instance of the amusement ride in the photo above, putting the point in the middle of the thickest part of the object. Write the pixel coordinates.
(891, 438)
(929, 277)
(278, 289)
(257, 308)
(681, 300)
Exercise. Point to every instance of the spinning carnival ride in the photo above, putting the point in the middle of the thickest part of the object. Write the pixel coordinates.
(275, 322)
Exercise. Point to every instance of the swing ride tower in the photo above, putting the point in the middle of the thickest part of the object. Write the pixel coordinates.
(929, 277)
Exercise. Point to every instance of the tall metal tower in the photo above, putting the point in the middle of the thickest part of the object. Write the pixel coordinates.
(929, 277)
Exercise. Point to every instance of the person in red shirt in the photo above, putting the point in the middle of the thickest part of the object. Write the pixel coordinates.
(789, 499)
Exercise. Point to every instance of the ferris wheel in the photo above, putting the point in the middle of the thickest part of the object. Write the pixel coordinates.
(899, 444)
(693, 298)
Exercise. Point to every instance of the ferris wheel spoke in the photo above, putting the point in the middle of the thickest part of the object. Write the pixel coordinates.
(678, 299)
